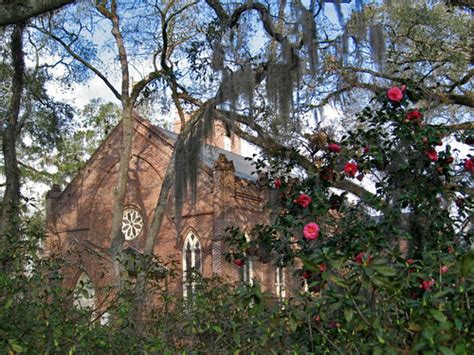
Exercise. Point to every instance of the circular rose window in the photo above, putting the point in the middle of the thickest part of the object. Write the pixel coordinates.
(132, 223)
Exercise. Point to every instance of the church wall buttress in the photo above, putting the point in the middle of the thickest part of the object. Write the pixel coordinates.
(224, 208)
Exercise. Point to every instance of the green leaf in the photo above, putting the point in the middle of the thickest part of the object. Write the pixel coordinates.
(348, 314)
(15, 346)
(236, 337)
(439, 316)
(446, 350)
(9, 303)
(414, 327)
(458, 323)
(293, 323)
(385, 270)
(467, 266)
(217, 329)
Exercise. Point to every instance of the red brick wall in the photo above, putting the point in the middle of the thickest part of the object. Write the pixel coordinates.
(79, 218)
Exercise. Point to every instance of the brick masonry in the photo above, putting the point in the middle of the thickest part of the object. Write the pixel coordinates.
(79, 218)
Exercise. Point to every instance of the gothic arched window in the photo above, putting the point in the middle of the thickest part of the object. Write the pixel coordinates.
(84, 293)
(192, 256)
(246, 271)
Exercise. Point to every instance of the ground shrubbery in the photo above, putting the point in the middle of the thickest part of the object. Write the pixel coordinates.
(398, 283)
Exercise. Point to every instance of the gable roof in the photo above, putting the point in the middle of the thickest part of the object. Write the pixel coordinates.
(209, 154)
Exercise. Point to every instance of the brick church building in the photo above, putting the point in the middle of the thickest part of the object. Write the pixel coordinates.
(79, 217)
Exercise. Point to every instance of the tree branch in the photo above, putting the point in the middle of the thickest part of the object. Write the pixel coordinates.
(18, 11)
(81, 60)
(114, 18)
(270, 146)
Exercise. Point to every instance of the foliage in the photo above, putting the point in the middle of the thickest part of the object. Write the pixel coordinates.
(363, 292)
(398, 281)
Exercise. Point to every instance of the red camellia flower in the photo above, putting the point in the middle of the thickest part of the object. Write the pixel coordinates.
(239, 262)
(335, 148)
(395, 94)
(322, 267)
(410, 261)
(306, 274)
(277, 183)
(469, 165)
(444, 269)
(360, 258)
(449, 159)
(303, 200)
(414, 115)
(366, 149)
(432, 155)
(350, 169)
(426, 285)
(311, 231)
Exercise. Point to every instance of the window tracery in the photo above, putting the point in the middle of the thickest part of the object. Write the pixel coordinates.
(192, 256)
(132, 223)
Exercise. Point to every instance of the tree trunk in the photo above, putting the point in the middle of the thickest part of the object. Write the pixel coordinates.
(158, 215)
(17, 11)
(11, 198)
(116, 235)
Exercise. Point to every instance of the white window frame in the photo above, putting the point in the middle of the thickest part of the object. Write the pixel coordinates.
(193, 241)
(280, 282)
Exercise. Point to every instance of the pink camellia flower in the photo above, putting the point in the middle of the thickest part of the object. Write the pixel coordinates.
(311, 231)
(432, 155)
(277, 183)
(444, 269)
(414, 115)
(395, 94)
(426, 285)
(335, 148)
(303, 200)
(350, 169)
(239, 262)
(469, 165)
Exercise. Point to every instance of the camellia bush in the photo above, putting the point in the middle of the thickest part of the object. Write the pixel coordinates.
(391, 272)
